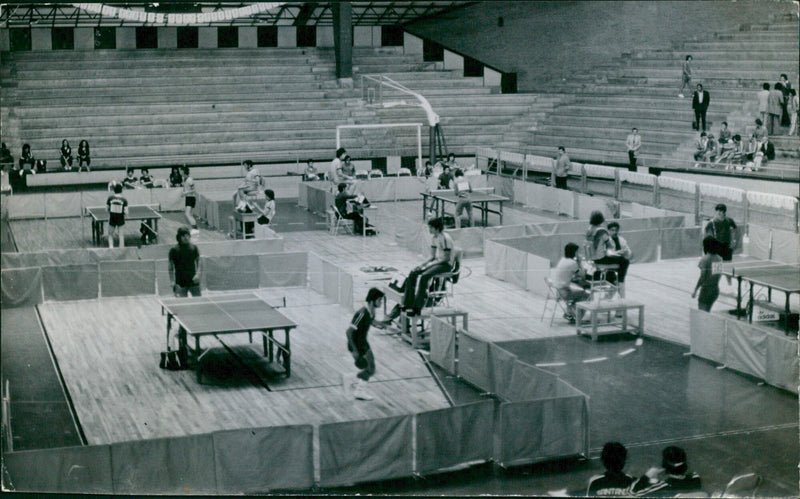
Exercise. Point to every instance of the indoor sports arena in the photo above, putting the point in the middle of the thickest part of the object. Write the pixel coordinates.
(445, 248)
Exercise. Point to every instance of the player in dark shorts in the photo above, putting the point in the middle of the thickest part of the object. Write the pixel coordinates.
(359, 348)
(184, 265)
(117, 209)
(723, 229)
(191, 198)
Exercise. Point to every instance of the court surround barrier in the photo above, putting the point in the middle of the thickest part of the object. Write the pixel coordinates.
(696, 198)
(759, 351)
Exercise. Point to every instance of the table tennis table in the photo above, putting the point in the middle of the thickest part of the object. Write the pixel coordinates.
(229, 314)
(480, 200)
(99, 216)
(779, 276)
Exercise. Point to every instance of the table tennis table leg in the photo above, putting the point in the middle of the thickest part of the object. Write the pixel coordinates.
(786, 317)
(739, 298)
(287, 356)
(750, 306)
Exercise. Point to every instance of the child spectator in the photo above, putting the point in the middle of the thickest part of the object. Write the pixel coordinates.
(671, 479)
(130, 181)
(84, 155)
(614, 482)
(569, 279)
(66, 155)
(763, 101)
(26, 157)
(145, 179)
(708, 283)
(175, 177)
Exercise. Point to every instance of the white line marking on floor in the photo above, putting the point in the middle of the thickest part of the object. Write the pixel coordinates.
(598, 359)
(551, 364)
(626, 352)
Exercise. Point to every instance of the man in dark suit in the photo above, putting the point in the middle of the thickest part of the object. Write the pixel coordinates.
(700, 101)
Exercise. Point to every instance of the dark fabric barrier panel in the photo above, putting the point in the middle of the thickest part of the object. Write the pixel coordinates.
(258, 460)
(536, 430)
(183, 465)
(453, 436)
(644, 244)
(746, 348)
(528, 382)
(21, 287)
(681, 243)
(782, 362)
(443, 344)
(502, 362)
(473, 361)
(70, 282)
(677, 200)
(283, 269)
(362, 451)
(231, 272)
(66, 470)
(707, 335)
(127, 278)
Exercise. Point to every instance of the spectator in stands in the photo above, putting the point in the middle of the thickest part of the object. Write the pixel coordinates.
(130, 181)
(700, 147)
(712, 149)
(614, 482)
(785, 88)
(5, 155)
(602, 249)
(775, 108)
(569, 279)
(190, 195)
(26, 157)
(463, 189)
(346, 194)
(561, 168)
(671, 479)
(335, 171)
(622, 249)
(763, 101)
(723, 230)
(700, 101)
(84, 155)
(145, 179)
(175, 177)
(66, 155)
(446, 177)
(117, 210)
(634, 143)
(708, 283)
(311, 171)
(724, 134)
(428, 170)
(760, 135)
(792, 107)
(452, 163)
(731, 152)
(686, 76)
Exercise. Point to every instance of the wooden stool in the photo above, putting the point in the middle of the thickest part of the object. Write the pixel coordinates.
(239, 221)
(612, 325)
(412, 328)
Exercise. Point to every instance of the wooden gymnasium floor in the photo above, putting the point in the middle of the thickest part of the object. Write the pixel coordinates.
(107, 351)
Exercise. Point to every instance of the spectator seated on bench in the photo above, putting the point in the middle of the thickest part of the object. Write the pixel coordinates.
(84, 155)
(66, 155)
(26, 158)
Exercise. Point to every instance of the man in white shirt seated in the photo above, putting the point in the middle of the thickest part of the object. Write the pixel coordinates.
(570, 280)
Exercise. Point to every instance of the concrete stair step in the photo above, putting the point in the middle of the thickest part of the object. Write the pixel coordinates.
(164, 83)
(620, 132)
(742, 45)
(188, 114)
(275, 74)
(756, 64)
(213, 95)
(721, 55)
(598, 144)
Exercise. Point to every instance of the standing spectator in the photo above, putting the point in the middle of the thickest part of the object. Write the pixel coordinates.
(723, 230)
(117, 209)
(463, 189)
(614, 482)
(335, 170)
(686, 77)
(700, 101)
(724, 134)
(785, 88)
(775, 108)
(5, 155)
(175, 177)
(66, 155)
(84, 155)
(561, 168)
(792, 107)
(672, 479)
(570, 280)
(190, 196)
(634, 143)
(708, 283)
(26, 157)
(763, 101)
(145, 179)
(184, 265)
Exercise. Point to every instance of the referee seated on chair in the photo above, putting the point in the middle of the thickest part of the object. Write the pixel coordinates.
(416, 286)
(341, 200)
(603, 251)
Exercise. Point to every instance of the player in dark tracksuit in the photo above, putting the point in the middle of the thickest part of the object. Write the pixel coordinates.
(358, 346)
(614, 482)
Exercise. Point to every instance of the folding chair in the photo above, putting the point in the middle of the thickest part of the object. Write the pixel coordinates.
(558, 301)
(336, 220)
(375, 174)
(744, 485)
(404, 172)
